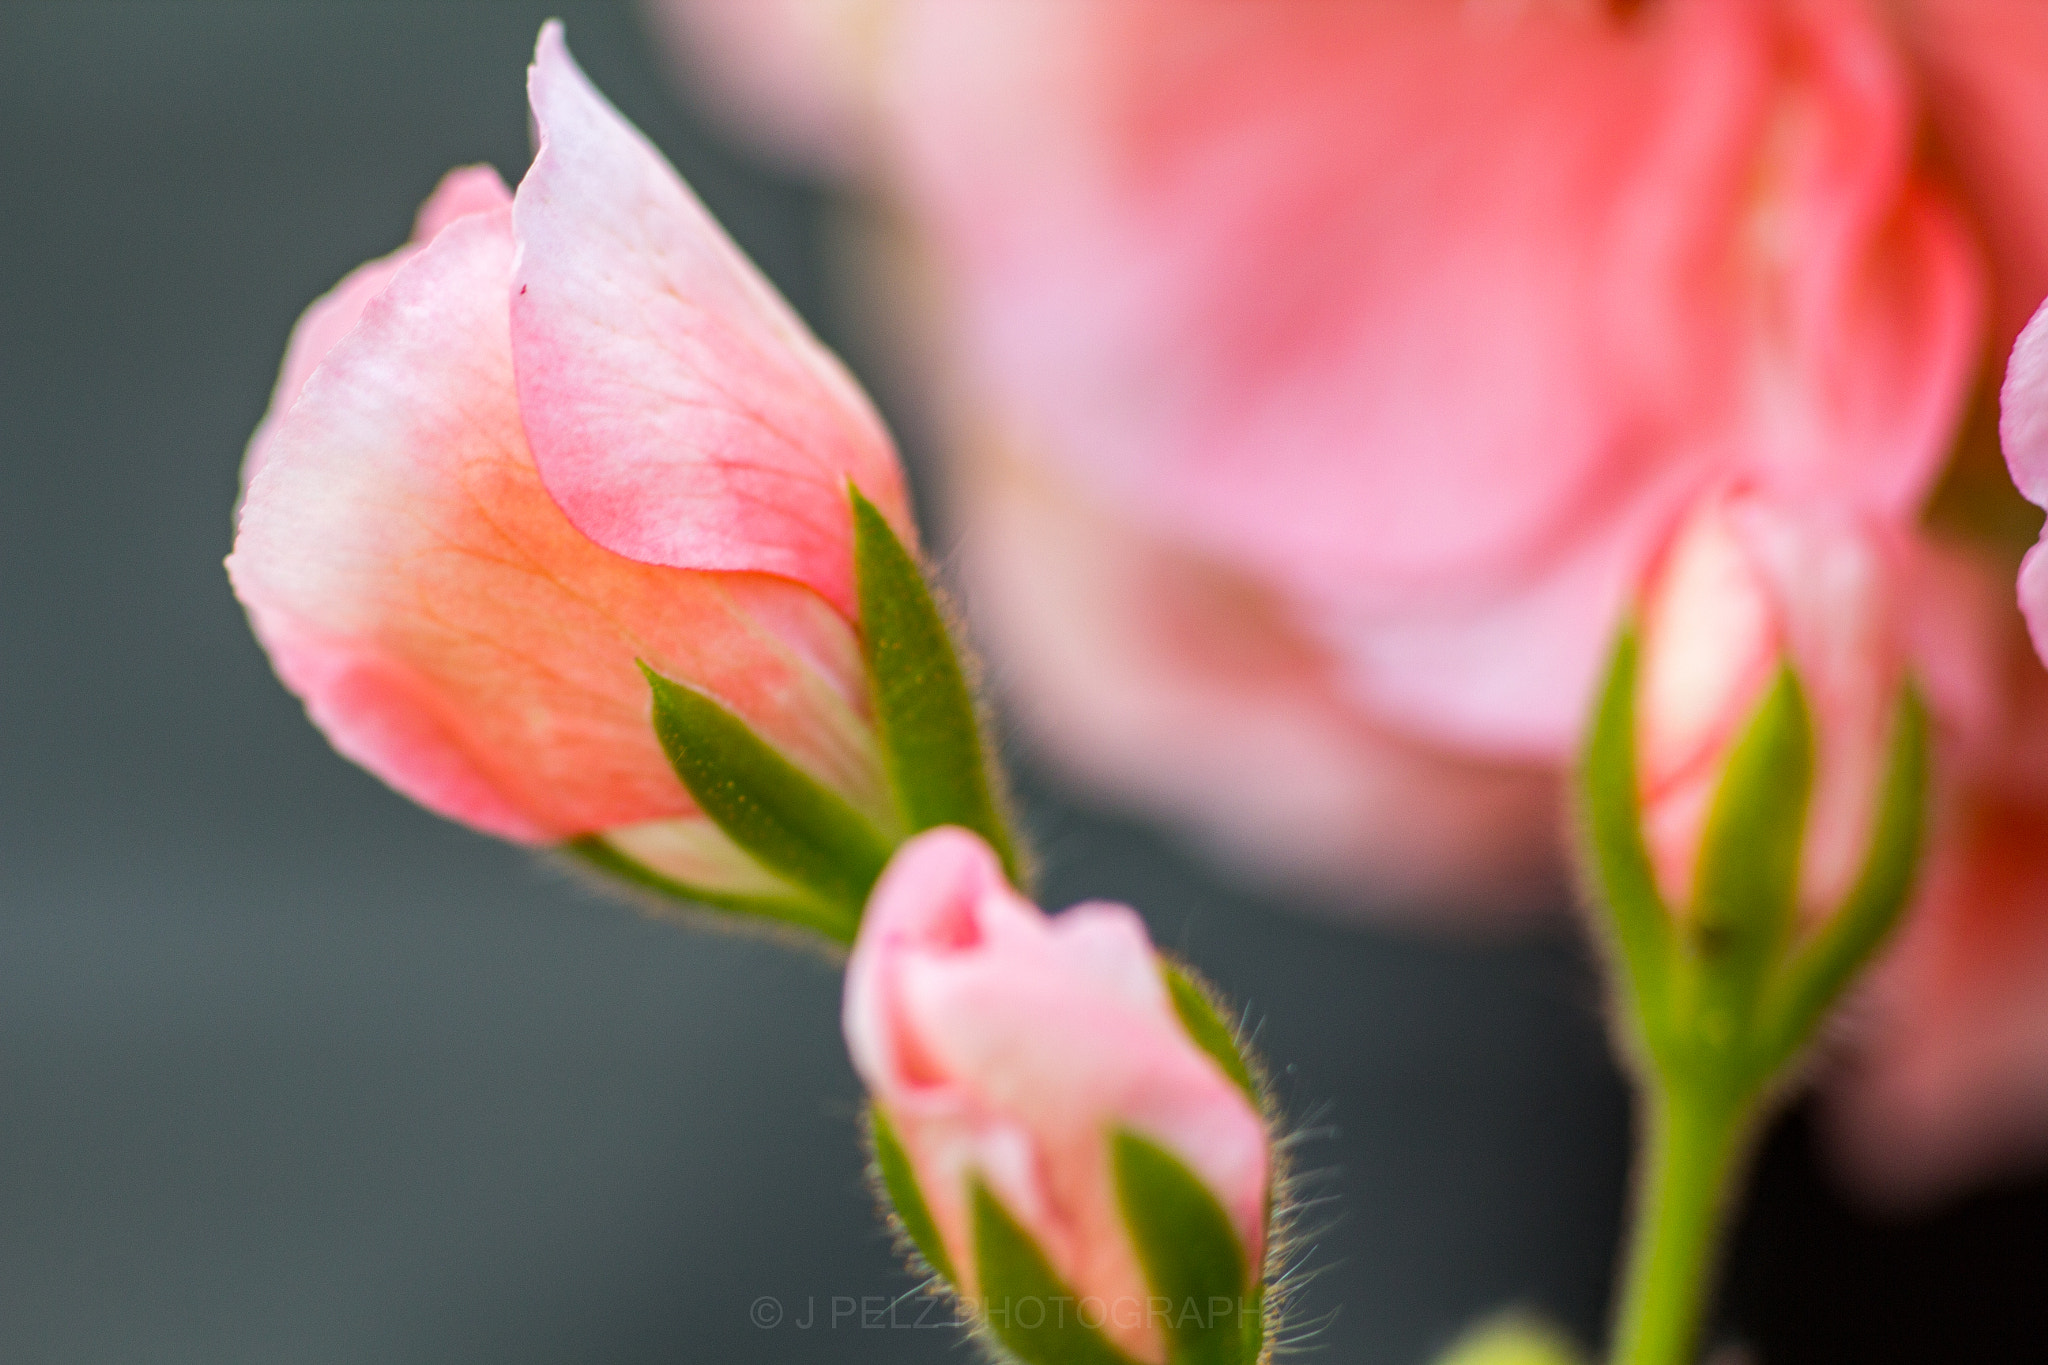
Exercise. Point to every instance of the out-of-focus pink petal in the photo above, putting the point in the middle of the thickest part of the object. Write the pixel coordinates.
(1007, 1046)
(332, 316)
(1164, 678)
(451, 631)
(1447, 374)
(1981, 65)
(1949, 1081)
(2023, 432)
(677, 409)
(793, 76)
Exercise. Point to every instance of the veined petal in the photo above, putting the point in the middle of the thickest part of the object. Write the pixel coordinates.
(678, 410)
(450, 630)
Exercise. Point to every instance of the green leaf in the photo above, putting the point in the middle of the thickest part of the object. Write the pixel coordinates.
(1191, 1254)
(924, 711)
(792, 825)
(794, 909)
(1024, 1304)
(1746, 883)
(1824, 967)
(905, 1197)
(1198, 1015)
(1513, 1339)
(1637, 921)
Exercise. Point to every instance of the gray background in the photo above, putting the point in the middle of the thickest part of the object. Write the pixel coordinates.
(291, 1071)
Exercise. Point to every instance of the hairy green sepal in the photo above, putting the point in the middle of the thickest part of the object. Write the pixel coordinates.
(899, 1182)
(1199, 1016)
(932, 747)
(1206, 1297)
(791, 824)
(795, 909)
(1024, 1305)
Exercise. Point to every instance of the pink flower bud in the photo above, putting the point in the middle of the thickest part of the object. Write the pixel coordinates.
(563, 430)
(1006, 1046)
(1745, 586)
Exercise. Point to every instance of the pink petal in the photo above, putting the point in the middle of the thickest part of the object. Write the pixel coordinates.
(1981, 66)
(1446, 377)
(446, 625)
(1164, 678)
(332, 316)
(2023, 432)
(678, 410)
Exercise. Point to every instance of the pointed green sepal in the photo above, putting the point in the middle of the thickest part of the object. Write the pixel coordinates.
(1024, 1305)
(1513, 1339)
(931, 737)
(1205, 1024)
(1636, 921)
(1203, 1292)
(795, 909)
(791, 824)
(892, 1163)
(1746, 883)
(1823, 967)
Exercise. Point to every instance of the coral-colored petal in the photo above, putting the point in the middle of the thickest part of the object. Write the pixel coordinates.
(678, 411)
(447, 626)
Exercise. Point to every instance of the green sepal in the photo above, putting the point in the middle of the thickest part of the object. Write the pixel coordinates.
(1513, 1339)
(1823, 967)
(792, 825)
(1206, 1026)
(1746, 882)
(931, 739)
(899, 1182)
(1633, 915)
(795, 909)
(1023, 1303)
(1192, 1257)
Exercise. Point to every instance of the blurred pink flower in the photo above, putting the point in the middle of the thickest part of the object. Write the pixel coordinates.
(562, 430)
(1006, 1046)
(1356, 358)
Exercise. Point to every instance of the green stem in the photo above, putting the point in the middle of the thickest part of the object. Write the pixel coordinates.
(1696, 1142)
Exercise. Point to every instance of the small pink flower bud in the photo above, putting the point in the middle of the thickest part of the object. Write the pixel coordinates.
(1745, 586)
(1008, 1047)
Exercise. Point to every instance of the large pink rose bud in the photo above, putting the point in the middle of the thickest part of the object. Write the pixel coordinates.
(1066, 1131)
(563, 431)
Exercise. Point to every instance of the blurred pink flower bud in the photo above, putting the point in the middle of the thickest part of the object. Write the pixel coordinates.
(1745, 587)
(562, 430)
(1007, 1047)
